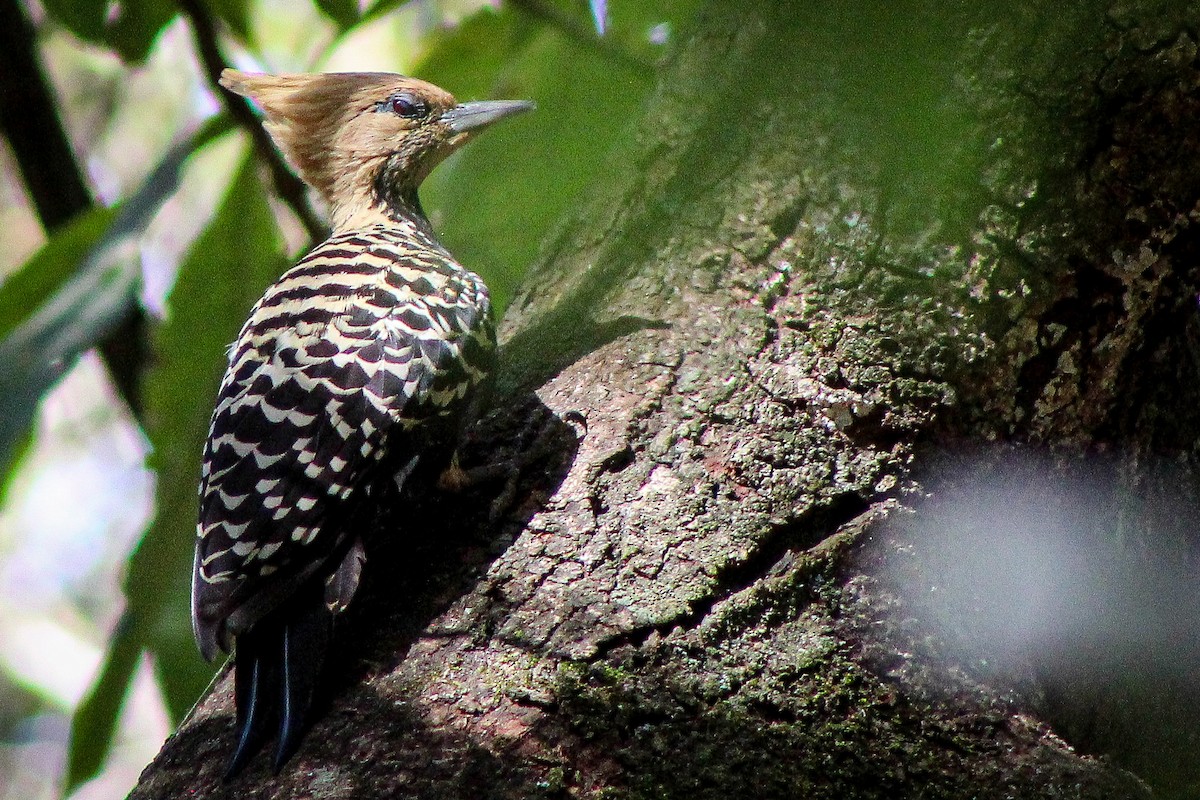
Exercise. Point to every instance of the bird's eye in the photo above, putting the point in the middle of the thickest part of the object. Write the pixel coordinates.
(404, 104)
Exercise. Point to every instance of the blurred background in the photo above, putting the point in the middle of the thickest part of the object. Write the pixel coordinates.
(177, 235)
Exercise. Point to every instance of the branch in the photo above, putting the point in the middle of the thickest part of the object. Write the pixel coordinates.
(289, 188)
(30, 123)
(33, 129)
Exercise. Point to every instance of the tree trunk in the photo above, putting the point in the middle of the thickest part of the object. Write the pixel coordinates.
(786, 534)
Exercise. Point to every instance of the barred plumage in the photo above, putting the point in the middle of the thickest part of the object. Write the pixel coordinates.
(374, 329)
(374, 339)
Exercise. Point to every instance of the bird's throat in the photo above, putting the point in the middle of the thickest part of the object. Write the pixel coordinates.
(380, 203)
(397, 198)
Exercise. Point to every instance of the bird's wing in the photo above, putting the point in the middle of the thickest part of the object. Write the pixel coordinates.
(285, 454)
(301, 419)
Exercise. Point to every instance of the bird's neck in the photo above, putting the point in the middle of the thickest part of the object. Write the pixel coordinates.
(402, 211)
(404, 207)
(388, 197)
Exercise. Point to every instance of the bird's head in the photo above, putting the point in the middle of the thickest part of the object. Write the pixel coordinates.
(365, 140)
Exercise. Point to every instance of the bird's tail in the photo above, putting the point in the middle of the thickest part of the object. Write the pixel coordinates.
(277, 666)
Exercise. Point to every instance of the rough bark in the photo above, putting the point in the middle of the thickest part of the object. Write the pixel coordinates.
(775, 362)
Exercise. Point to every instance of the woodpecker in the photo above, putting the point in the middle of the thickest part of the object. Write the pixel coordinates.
(355, 362)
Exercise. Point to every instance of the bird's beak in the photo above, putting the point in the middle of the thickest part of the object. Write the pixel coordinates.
(468, 117)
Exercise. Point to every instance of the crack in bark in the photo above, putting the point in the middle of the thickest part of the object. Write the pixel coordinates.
(801, 533)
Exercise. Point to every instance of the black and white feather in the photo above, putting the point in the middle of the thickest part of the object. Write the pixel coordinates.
(373, 333)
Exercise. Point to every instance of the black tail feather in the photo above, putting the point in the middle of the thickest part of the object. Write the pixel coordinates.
(255, 686)
(305, 640)
(277, 667)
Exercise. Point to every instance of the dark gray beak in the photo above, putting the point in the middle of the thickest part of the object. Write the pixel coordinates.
(467, 117)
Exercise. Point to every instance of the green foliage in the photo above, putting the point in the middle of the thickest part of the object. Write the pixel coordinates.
(130, 32)
(342, 12)
(381, 8)
(64, 299)
(236, 14)
(96, 717)
(224, 273)
(50, 267)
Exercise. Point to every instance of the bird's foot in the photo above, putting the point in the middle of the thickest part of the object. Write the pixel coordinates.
(536, 443)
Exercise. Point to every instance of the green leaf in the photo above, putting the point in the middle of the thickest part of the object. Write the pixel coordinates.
(83, 290)
(137, 25)
(643, 28)
(131, 31)
(226, 270)
(182, 674)
(236, 14)
(19, 702)
(382, 8)
(84, 18)
(45, 345)
(20, 450)
(50, 267)
(470, 59)
(342, 12)
(95, 718)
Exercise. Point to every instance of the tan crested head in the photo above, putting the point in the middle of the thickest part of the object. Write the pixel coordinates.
(364, 140)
